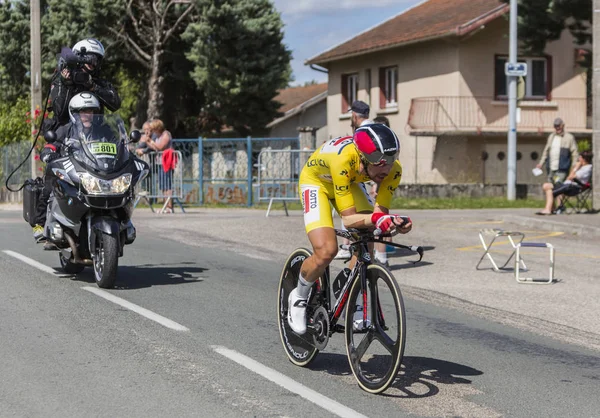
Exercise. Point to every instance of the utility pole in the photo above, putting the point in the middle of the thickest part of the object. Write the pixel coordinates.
(35, 71)
(596, 104)
(511, 179)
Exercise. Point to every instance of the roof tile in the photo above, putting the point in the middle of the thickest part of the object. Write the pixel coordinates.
(430, 19)
(294, 96)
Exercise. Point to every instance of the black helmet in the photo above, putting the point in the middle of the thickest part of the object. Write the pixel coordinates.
(377, 144)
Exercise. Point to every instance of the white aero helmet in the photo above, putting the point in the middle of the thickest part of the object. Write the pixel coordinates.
(88, 46)
(82, 101)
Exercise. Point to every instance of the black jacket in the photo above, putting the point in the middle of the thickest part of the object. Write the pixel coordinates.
(62, 91)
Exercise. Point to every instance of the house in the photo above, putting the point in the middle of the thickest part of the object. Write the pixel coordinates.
(303, 108)
(437, 72)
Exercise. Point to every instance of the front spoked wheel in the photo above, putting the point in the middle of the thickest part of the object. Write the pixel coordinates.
(299, 349)
(375, 345)
(106, 260)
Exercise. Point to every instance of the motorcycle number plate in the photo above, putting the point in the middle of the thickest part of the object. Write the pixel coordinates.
(103, 148)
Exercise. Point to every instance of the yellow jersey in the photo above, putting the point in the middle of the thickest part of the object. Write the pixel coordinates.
(335, 166)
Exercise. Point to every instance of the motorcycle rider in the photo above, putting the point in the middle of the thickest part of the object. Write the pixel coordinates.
(79, 71)
(83, 111)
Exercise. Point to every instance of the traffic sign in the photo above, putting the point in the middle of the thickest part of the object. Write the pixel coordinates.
(518, 69)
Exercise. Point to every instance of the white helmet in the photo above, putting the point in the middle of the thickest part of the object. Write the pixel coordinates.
(88, 46)
(81, 101)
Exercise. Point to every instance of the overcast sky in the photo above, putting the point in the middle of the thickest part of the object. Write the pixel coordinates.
(314, 26)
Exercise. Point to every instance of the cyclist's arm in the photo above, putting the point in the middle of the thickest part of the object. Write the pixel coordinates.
(353, 219)
(388, 186)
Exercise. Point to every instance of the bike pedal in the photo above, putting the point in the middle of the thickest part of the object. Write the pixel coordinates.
(339, 328)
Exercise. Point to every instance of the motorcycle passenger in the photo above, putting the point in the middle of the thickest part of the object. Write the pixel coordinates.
(334, 174)
(79, 71)
(83, 109)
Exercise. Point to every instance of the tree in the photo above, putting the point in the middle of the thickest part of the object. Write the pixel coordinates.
(541, 21)
(14, 50)
(15, 121)
(240, 62)
(145, 30)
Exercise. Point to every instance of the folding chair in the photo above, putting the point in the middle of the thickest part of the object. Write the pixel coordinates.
(497, 233)
(579, 202)
(532, 280)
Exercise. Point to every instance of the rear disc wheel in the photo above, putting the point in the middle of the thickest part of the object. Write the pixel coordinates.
(300, 349)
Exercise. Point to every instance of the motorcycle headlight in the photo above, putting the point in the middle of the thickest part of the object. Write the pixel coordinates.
(94, 185)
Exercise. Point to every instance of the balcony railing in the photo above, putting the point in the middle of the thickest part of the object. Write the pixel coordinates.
(447, 114)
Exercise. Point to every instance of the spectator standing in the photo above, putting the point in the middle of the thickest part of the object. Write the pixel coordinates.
(162, 142)
(559, 153)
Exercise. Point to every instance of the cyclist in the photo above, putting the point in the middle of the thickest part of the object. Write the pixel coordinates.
(335, 174)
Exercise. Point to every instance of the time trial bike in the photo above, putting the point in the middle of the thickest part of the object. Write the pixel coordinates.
(375, 323)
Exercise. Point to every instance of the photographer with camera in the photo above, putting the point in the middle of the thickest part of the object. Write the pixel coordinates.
(79, 70)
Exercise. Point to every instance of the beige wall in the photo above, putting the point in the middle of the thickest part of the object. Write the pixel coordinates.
(476, 63)
(428, 67)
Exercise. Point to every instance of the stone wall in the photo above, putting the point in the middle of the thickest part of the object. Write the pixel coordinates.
(466, 190)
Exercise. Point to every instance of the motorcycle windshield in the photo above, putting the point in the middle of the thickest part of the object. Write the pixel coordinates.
(98, 142)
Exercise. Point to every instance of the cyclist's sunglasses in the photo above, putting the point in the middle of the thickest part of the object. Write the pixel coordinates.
(379, 159)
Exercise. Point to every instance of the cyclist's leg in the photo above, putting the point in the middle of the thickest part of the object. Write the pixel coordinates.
(318, 222)
(319, 227)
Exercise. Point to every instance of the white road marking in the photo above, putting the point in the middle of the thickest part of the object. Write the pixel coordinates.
(287, 383)
(137, 309)
(32, 262)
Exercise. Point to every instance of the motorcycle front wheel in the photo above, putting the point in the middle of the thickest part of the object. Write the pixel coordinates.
(106, 260)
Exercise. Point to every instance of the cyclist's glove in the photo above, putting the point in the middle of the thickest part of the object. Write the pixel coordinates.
(383, 222)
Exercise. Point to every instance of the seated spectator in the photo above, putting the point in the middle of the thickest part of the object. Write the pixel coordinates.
(580, 175)
(142, 146)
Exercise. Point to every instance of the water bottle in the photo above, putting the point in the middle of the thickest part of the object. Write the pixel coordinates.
(340, 281)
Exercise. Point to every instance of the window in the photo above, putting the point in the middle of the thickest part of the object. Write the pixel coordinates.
(537, 81)
(388, 81)
(349, 90)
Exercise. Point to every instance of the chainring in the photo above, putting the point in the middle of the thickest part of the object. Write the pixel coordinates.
(320, 322)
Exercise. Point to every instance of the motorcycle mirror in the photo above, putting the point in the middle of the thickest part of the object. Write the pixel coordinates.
(135, 136)
(50, 136)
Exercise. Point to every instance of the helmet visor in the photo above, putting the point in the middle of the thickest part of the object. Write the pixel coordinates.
(379, 158)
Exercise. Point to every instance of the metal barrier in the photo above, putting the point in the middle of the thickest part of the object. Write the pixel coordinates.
(278, 173)
(11, 156)
(213, 170)
(224, 170)
(161, 184)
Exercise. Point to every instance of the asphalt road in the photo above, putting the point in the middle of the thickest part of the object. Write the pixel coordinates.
(201, 339)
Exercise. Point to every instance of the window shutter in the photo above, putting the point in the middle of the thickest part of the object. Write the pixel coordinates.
(382, 88)
(345, 104)
(548, 77)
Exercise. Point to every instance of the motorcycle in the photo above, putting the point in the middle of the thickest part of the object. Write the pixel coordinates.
(89, 214)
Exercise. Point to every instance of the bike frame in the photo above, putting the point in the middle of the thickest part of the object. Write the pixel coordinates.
(359, 271)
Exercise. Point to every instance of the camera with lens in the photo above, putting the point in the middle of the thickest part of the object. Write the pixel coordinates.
(75, 63)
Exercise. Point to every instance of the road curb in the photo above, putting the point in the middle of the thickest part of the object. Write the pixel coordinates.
(551, 225)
